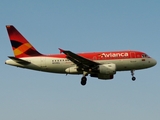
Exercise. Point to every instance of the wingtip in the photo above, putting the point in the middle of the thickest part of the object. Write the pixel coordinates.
(61, 50)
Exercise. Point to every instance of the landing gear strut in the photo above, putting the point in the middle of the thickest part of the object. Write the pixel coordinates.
(84, 78)
(132, 73)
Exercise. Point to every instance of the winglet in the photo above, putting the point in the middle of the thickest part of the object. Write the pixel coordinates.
(61, 50)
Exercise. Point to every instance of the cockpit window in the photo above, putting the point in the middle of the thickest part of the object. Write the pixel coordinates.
(145, 56)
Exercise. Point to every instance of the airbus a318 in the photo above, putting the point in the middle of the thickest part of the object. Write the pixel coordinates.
(101, 65)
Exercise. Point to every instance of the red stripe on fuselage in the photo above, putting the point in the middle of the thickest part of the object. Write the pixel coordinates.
(104, 55)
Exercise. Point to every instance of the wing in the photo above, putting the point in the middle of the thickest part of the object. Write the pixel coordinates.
(80, 61)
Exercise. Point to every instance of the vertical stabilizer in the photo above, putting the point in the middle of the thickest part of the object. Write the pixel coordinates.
(21, 47)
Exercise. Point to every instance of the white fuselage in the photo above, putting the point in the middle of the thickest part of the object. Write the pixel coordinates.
(59, 65)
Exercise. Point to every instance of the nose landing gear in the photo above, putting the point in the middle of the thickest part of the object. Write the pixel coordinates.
(132, 73)
(133, 78)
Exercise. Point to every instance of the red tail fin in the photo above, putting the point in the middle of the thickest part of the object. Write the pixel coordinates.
(21, 47)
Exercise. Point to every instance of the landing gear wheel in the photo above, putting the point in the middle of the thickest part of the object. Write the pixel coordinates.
(133, 78)
(132, 73)
(83, 81)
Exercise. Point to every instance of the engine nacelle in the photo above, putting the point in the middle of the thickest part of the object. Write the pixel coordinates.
(107, 69)
(103, 76)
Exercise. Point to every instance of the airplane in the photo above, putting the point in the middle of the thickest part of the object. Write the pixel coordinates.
(101, 65)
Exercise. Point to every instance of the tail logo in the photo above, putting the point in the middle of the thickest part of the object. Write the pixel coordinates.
(21, 47)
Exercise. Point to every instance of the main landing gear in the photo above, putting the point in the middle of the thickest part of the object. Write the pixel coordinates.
(84, 78)
(132, 73)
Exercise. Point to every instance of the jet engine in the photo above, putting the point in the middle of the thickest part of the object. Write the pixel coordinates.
(102, 76)
(107, 69)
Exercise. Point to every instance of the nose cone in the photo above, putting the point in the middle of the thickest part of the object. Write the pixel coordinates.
(154, 62)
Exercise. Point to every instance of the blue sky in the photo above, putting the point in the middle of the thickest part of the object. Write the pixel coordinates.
(81, 26)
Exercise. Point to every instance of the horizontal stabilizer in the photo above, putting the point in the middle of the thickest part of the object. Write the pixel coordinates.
(20, 61)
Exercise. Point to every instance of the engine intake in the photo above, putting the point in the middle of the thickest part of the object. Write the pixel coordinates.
(105, 71)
